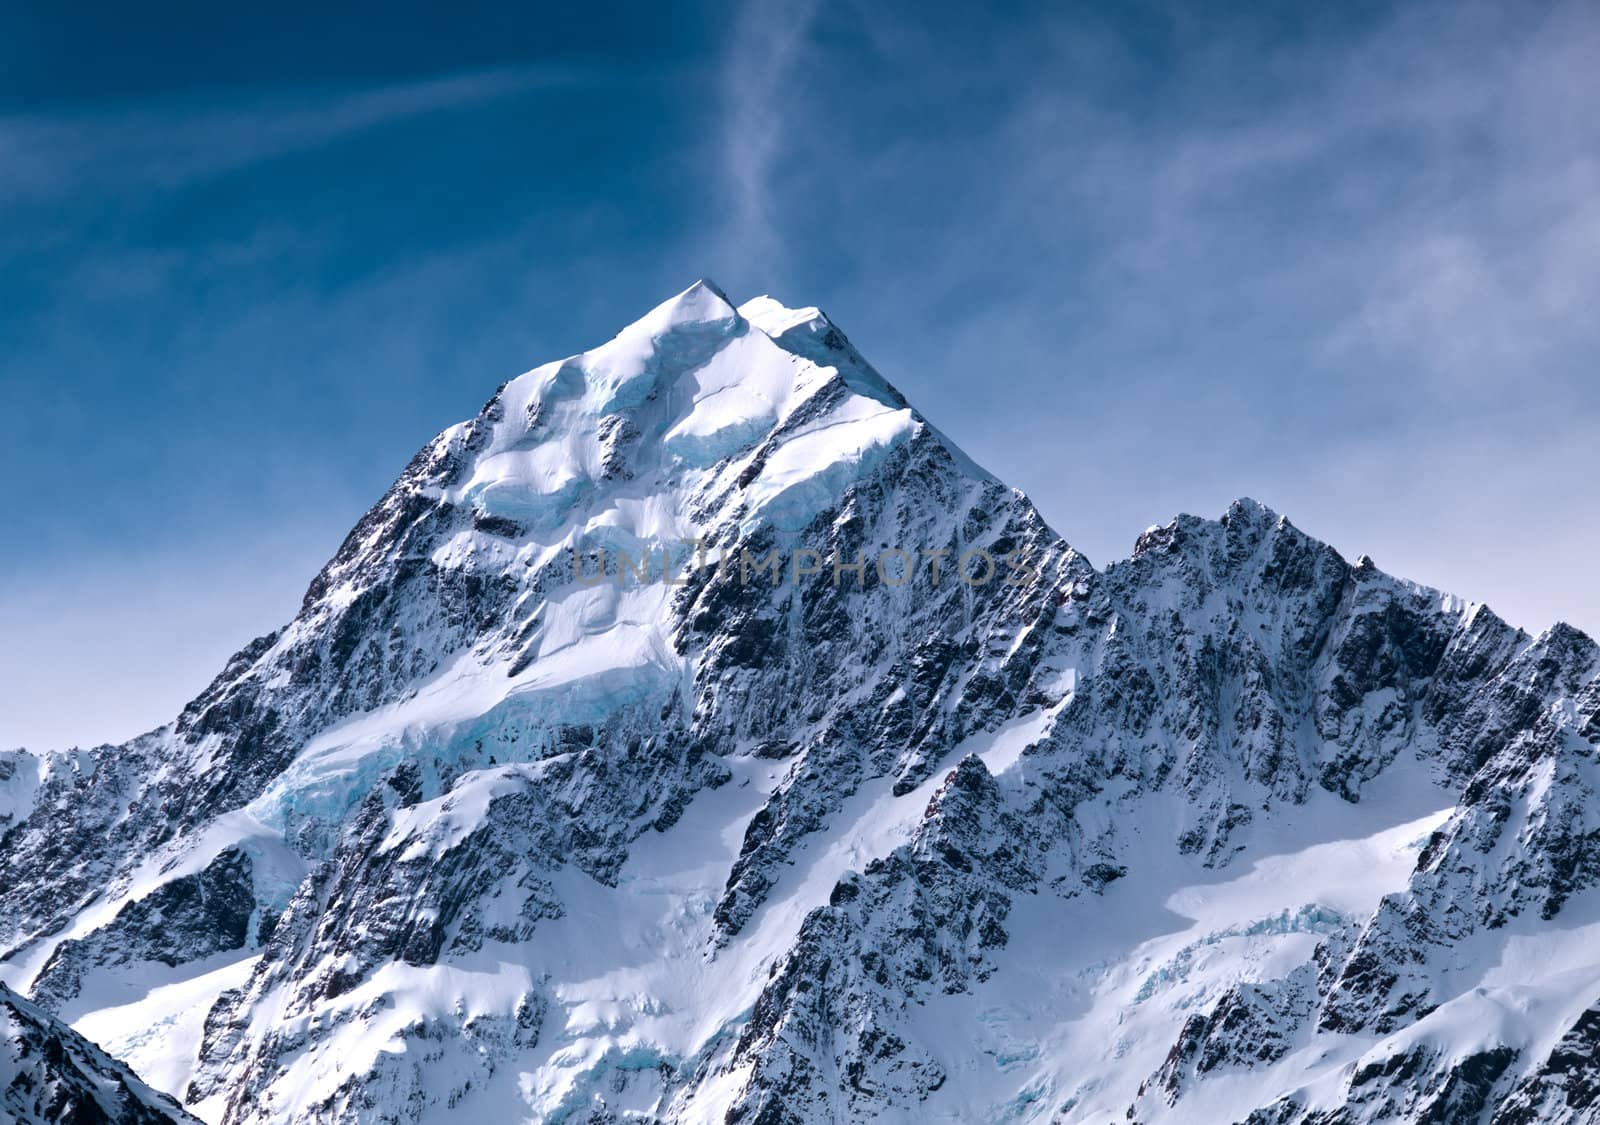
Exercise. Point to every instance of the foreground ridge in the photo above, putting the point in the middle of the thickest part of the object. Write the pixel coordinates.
(50, 1073)
(697, 734)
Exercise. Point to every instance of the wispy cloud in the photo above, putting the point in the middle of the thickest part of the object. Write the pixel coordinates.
(1426, 193)
(174, 142)
(760, 101)
(1232, 268)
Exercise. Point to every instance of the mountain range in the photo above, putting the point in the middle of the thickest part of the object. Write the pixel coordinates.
(696, 734)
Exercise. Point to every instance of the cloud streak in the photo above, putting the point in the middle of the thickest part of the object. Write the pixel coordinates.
(1244, 267)
(759, 99)
(173, 143)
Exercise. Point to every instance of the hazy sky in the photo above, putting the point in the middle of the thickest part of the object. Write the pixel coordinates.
(1136, 258)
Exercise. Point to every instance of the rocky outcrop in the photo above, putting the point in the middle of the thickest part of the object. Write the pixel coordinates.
(51, 1075)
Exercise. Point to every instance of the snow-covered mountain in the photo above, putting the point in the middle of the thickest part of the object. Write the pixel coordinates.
(698, 735)
(50, 1074)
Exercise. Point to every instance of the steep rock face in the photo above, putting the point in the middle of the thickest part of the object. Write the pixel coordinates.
(826, 1034)
(1525, 838)
(1238, 667)
(1519, 847)
(51, 1074)
(188, 918)
(696, 734)
(1255, 1022)
(1565, 1085)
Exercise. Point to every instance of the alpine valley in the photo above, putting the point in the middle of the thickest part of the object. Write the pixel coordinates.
(541, 809)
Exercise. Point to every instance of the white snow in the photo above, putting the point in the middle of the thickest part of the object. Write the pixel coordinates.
(158, 1035)
(1099, 985)
(21, 774)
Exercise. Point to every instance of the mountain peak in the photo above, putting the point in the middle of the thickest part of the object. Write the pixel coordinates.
(1250, 511)
(777, 319)
(703, 303)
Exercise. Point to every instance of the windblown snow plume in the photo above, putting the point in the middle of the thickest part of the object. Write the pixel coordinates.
(697, 735)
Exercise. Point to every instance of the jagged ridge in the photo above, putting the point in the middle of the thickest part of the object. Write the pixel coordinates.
(1233, 828)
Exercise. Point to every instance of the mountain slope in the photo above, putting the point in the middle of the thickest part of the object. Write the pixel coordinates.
(50, 1073)
(697, 734)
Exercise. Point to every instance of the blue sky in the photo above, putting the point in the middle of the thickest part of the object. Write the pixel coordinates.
(1136, 258)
